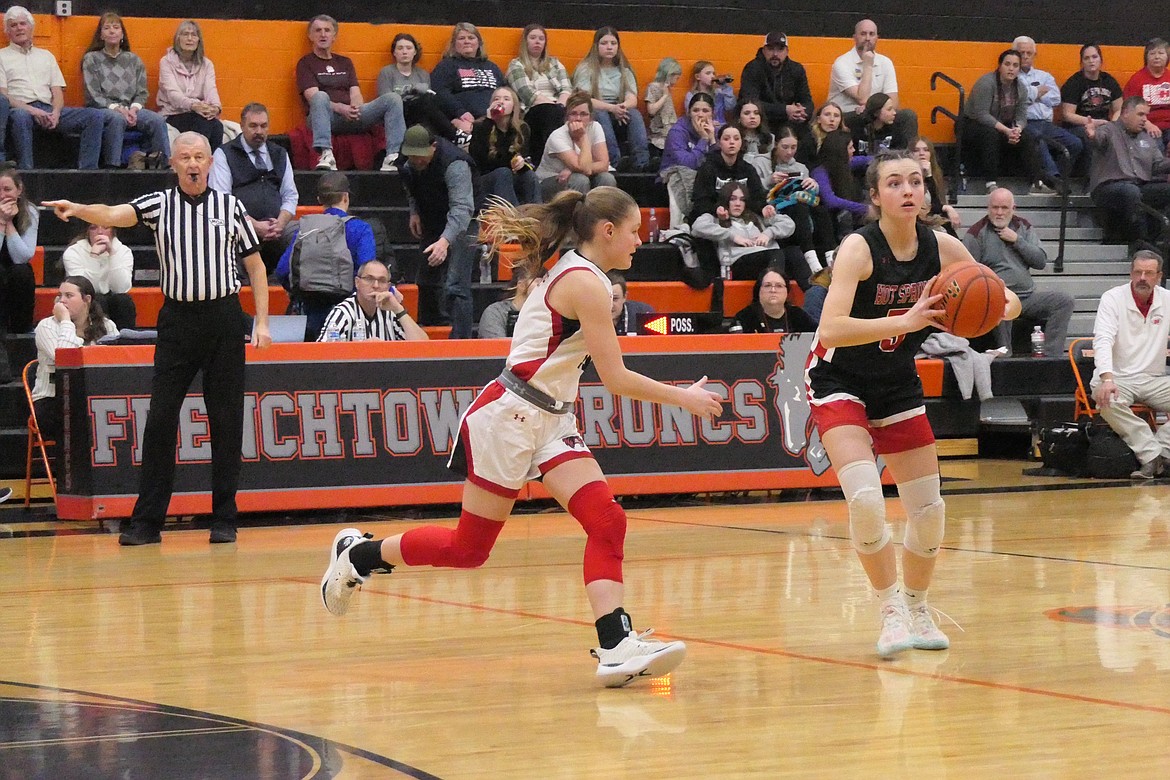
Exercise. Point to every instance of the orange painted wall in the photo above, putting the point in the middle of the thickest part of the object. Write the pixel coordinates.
(255, 60)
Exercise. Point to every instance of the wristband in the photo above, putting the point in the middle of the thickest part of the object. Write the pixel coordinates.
(399, 315)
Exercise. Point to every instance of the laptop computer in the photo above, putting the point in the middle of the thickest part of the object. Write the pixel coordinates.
(285, 328)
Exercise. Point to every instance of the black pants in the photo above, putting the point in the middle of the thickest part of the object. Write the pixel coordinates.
(814, 228)
(206, 336)
(426, 110)
(18, 289)
(120, 308)
(50, 420)
(316, 308)
(212, 129)
(988, 148)
(1121, 202)
(542, 120)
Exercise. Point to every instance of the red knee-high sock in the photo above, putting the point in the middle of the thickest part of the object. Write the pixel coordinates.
(604, 522)
(467, 547)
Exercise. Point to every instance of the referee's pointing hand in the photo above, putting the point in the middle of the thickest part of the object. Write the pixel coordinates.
(64, 209)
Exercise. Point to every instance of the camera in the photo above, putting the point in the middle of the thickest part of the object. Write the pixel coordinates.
(724, 79)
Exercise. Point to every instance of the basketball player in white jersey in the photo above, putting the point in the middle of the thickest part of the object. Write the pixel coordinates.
(522, 427)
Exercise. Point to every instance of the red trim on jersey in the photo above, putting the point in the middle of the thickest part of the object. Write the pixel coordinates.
(494, 391)
(564, 457)
(901, 436)
(529, 368)
(492, 487)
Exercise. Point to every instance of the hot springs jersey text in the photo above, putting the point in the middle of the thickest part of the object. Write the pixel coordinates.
(891, 289)
(548, 350)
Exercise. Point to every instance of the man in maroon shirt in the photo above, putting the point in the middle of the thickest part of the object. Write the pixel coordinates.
(333, 100)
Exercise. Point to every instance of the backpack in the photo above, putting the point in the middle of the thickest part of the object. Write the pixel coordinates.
(321, 261)
(1109, 457)
(790, 192)
(1065, 448)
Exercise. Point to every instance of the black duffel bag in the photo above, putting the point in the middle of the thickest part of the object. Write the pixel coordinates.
(1064, 447)
(1108, 456)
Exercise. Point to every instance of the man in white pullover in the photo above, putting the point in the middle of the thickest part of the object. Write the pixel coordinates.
(1129, 346)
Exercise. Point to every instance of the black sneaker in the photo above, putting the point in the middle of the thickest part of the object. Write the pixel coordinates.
(222, 534)
(135, 537)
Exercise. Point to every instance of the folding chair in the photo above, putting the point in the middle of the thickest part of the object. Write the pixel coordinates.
(35, 438)
(1080, 357)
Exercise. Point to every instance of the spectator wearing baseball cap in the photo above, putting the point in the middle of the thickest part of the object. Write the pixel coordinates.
(439, 179)
(778, 84)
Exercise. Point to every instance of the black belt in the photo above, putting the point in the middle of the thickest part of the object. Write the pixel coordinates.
(537, 398)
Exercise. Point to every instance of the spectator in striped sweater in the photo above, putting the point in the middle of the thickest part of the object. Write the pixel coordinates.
(115, 82)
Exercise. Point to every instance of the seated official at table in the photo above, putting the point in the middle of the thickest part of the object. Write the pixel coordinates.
(624, 311)
(770, 311)
(374, 311)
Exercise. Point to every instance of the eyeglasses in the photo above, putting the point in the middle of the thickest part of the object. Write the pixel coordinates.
(374, 279)
(773, 286)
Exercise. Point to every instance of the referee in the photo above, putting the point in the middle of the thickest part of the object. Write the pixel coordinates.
(199, 233)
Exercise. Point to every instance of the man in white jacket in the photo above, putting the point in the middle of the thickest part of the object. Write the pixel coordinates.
(1129, 345)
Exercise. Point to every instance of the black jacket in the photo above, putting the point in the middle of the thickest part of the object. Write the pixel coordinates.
(753, 320)
(713, 174)
(775, 88)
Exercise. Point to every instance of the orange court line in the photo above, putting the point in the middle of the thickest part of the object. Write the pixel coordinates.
(866, 665)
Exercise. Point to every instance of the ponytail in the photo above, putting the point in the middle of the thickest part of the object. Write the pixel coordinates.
(540, 229)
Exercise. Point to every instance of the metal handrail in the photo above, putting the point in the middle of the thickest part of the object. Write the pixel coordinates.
(954, 116)
(1058, 263)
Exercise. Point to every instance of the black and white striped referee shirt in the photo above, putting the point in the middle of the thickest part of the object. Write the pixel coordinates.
(198, 241)
(381, 326)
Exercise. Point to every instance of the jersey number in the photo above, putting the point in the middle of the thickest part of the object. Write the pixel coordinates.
(891, 344)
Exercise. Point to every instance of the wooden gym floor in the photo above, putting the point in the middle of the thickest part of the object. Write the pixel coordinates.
(192, 661)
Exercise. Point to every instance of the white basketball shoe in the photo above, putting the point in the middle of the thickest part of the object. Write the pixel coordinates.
(637, 656)
(341, 578)
(895, 636)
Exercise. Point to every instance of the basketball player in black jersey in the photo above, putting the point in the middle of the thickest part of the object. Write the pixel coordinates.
(867, 398)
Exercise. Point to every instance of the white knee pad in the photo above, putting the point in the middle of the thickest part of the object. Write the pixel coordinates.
(868, 530)
(925, 515)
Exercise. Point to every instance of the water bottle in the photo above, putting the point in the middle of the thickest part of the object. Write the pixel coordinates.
(333, 333)
(1037, 342)
(652, 227)
(359, 329)
(485, 265)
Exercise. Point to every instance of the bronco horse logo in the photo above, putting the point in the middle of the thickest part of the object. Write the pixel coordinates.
(800, 436)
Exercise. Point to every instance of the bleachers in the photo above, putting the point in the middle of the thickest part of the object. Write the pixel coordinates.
(375, 196)
(1089, 269)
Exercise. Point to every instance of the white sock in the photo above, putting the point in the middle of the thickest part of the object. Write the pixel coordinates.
(829, 255)
(914, 598)
(814, 262)
(888, 594)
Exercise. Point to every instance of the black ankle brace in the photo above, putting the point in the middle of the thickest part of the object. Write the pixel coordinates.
(366, 557)
(613, 628)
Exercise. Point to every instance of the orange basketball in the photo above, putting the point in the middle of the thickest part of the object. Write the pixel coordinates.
(972, 298)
